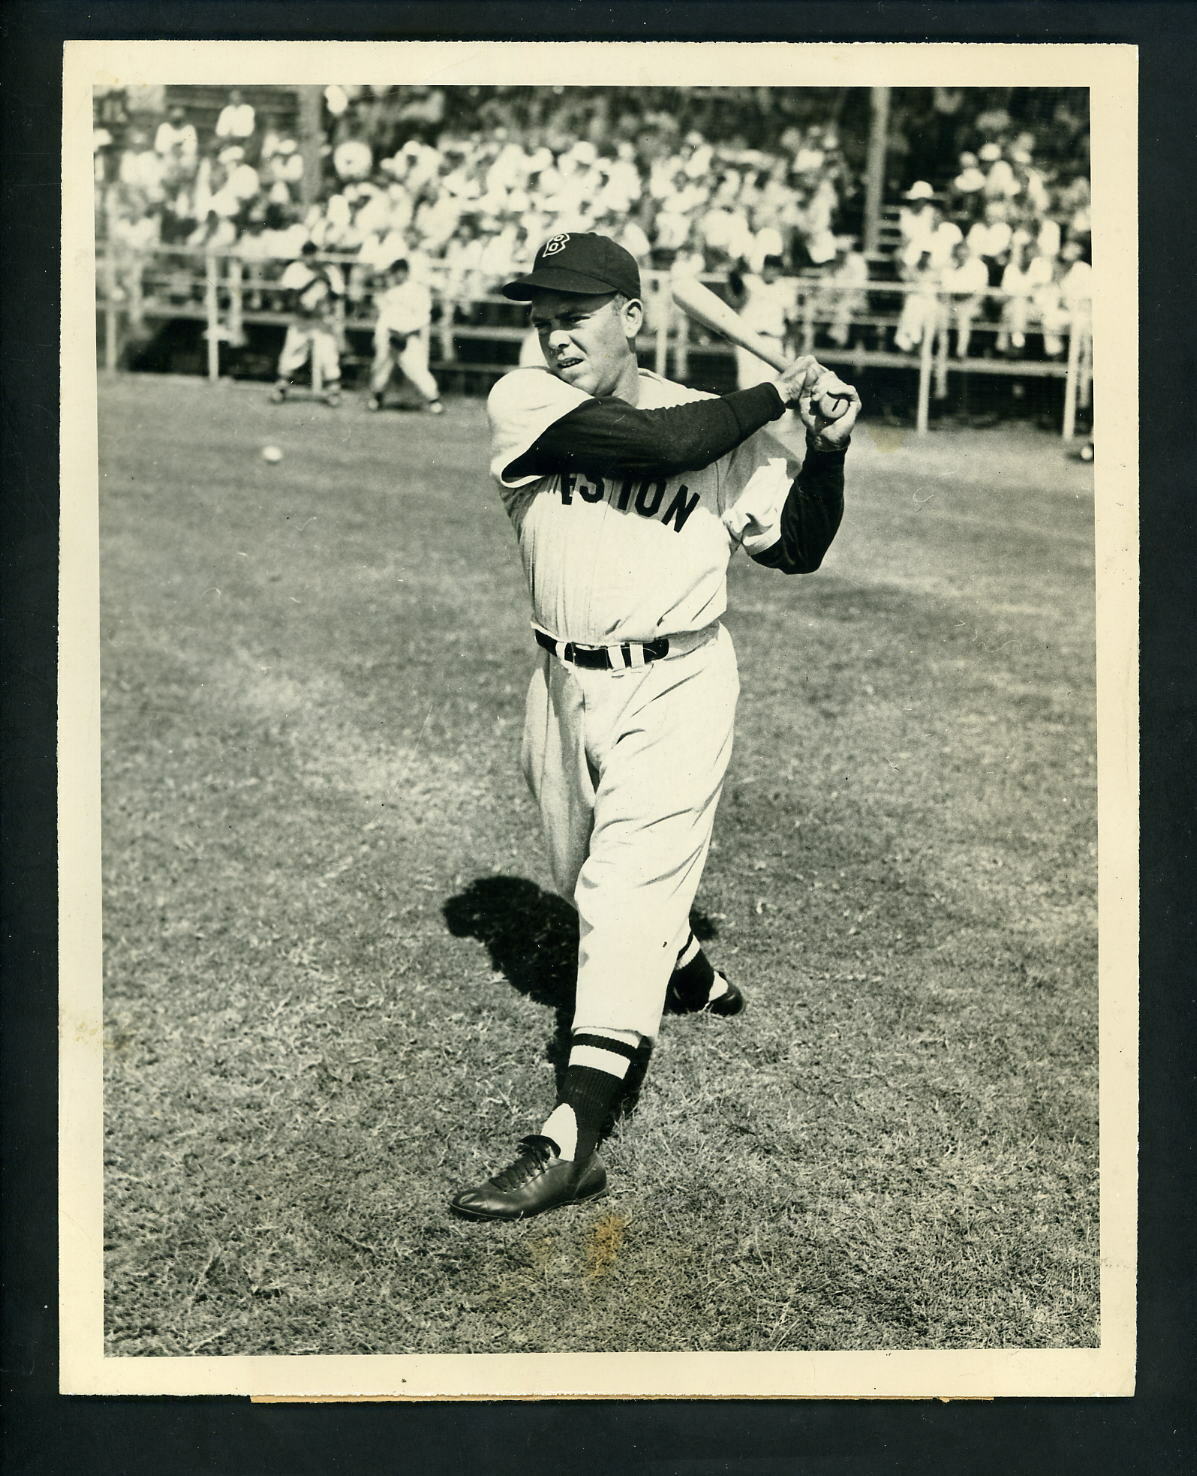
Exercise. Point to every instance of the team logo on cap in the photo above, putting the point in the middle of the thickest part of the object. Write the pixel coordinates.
(554, 244)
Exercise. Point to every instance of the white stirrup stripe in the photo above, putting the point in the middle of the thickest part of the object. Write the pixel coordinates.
(599, 1060)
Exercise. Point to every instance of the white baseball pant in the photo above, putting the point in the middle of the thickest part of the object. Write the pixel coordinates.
(627, 768)
(410, 358)
(318, 342)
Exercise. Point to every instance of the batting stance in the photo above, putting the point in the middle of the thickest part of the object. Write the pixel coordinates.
(628, 495)
(401, 338)
(315, 290)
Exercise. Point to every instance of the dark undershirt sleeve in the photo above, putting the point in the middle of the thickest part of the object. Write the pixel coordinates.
(811, 516)
(610, 437)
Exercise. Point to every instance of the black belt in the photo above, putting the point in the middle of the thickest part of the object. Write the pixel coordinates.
(604, 658)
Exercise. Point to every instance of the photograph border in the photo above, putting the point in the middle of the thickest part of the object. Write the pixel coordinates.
(1109, 72)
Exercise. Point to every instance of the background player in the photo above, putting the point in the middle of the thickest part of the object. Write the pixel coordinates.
(767, 302)
(315, 290)
(401, 338)
(628, 495)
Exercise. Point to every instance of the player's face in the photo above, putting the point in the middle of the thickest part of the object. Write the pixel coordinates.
(586, 341)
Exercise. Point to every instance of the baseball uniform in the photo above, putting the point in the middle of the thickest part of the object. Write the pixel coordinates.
(628, 495)
(627, 764)
(767, 308)
(401, 340)
(312, 333)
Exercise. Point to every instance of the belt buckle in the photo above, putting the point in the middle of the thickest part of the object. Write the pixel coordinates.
(575, 652)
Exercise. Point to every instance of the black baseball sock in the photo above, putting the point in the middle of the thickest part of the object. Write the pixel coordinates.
(593, 1082)
(694, 982)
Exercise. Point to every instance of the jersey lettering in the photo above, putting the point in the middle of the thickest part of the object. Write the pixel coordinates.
(644, 507)
(648, 497)
(680, 508)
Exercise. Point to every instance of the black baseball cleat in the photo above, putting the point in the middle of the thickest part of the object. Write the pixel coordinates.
(730, 1002)
(278, 394)
(538, 1180)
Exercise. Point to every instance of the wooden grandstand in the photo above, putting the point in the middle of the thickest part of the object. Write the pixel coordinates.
(237, 317)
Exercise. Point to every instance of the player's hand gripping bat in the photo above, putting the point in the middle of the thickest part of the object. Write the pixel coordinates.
(705, 307)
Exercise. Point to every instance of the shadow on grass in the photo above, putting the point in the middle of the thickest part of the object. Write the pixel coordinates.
(532, 938)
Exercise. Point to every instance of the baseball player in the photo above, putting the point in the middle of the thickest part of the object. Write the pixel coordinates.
(628, 495)
(401, 338)
(315, 290)
(767, 303)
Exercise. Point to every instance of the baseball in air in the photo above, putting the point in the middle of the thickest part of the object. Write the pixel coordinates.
(271, 454)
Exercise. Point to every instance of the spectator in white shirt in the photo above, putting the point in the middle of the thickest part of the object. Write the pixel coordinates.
(352, 160)
(766, 304)
(1048, 238)
(236, 120)
(965, 280)
(918, 217)
(1000, 180)
(990, 237)
(920, 304)
(846, 275)
(1076, 286)
(242, 181)
(1018, 282)
(968, 183)
(1064, 301)
(767, 238)
(938, 238)
(176, 140)
(141, 169)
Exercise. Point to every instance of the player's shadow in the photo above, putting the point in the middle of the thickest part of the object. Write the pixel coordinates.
(532, 938)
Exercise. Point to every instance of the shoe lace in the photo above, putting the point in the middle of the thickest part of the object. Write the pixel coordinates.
(537, 1154)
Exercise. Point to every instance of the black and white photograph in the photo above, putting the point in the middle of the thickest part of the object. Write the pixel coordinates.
(598, 631)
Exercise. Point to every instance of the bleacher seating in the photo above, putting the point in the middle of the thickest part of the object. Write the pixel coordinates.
(202, 104)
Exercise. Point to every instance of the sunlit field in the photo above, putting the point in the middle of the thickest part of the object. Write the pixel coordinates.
(337, 987)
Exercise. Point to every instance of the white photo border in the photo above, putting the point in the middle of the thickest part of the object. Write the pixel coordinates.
(1110, 72)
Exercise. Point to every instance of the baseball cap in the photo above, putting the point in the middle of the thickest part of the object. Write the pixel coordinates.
(578, 261)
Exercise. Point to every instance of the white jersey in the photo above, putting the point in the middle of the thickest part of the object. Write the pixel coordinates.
(621, 558)
(405, 308)
(767, 306)
(316, 287)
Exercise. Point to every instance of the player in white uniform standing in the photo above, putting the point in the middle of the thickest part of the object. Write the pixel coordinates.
(315, 290)
(401, 338)
(628, 495)
(767, 302)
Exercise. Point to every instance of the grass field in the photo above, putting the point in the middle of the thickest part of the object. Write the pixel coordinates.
(337, 988)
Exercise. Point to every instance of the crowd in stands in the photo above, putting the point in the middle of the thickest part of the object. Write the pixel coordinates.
(1013, 219)
(465, 183)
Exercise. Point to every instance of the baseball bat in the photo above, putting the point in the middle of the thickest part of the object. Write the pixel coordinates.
(706, 307)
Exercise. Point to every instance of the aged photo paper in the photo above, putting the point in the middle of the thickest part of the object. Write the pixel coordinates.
(88, 1365)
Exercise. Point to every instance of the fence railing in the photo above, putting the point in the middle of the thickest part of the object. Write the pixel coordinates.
(849, 325)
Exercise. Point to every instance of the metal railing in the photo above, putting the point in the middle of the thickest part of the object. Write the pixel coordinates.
(227, 292)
